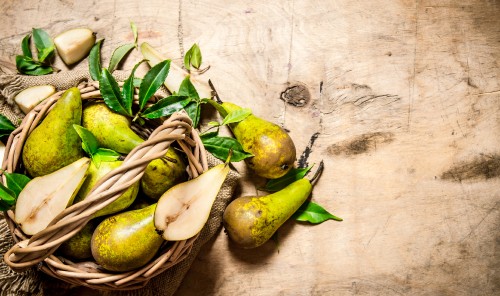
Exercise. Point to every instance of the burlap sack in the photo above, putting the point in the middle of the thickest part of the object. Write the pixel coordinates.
(33, 282)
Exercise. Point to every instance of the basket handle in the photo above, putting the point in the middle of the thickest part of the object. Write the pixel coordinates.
(34, 250)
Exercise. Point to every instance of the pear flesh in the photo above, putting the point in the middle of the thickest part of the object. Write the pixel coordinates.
(28, 98)
(184, 209)
(95, 174)
(251, 221)
(47, 196)
(112, 130)
(127, 240)
(73, 45)
(54, 143)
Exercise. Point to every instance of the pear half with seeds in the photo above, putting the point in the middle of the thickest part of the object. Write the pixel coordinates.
(47, 196)
(183, 210)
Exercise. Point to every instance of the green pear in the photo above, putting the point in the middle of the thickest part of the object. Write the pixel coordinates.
(141, 201)
(250, 221)
(163, 173)
(272, 147)
(111, 129)
(95, 174)
(78, 246)
(126, 241)
(54, 143)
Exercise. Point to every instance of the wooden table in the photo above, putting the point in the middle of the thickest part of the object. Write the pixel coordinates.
(400, 99)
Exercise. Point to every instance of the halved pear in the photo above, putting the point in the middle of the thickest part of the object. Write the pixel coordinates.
(28, 98)
(183, 210)
(75, 44)
(47, 196)
(176, 74)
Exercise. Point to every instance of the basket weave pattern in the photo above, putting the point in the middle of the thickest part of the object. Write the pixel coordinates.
(40, 248)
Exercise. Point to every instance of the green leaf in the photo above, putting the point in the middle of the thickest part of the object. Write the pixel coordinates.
(313, 213)
(152, 81)
(103, 154)
(166, 107)
(89, 141)
(214, 123)
(43, 44)
(95, 60)
(236, 116)
(187, 89)
(128, 90)
(5, 124)
(39, 71)
(208, 135)
(290, 177)
(25, 46)
(28, 66)
(217, 106)
(25, 64)
(220, 147)
(134, 31)
(110, 92)
(7, 198)
(193, 57)
(16, 182)
(193, 110)
(118, 54)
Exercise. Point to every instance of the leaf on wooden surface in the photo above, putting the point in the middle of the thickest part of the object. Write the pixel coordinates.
(43, 44)
(118, 54)
(313, 213)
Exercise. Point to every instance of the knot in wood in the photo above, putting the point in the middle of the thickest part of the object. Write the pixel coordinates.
(296, 95)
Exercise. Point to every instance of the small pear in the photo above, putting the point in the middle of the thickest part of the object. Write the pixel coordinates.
(184, 209)
(47, 196)
(78, 246)
(95, 174)
(28, 98)
(54, 143)
(111, 129)
(163, 173)
(75, 44)
(250, 221)
(272, 147)
(127, 240)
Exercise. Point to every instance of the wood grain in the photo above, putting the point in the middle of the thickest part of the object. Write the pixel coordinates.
(404, 97)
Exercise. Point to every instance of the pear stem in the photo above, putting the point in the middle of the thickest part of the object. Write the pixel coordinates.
(214, 92)
(317, 174)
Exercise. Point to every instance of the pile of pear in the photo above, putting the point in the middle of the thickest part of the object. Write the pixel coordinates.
(162, 206)
(250, 221)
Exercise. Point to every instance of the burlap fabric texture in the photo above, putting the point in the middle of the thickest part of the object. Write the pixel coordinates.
(33, 282)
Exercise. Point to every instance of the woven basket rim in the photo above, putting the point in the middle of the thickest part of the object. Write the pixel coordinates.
(39, 248)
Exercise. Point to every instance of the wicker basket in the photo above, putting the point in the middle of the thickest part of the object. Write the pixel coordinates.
(40, 248)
